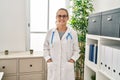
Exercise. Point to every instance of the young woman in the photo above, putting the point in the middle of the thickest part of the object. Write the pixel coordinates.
(61, 49)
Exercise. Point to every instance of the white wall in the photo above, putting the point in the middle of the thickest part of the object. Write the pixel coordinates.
(103, 5)
(13, 25)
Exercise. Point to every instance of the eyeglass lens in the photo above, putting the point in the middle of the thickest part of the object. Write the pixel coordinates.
(64, 16)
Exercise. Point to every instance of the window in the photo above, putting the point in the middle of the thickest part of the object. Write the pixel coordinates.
(42, 18)
(54, 6)
(39, 15)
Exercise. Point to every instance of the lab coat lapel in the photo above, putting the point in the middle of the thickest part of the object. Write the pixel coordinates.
(57, 38)
(66, 33)
(56, 35)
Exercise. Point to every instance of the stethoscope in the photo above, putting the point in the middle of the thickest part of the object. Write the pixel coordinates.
(67, 37)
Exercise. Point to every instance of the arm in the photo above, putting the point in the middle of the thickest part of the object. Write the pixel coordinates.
(76, 49)
(46, 49)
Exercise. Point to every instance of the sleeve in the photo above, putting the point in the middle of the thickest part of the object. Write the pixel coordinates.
(46, 48)
(76, 49)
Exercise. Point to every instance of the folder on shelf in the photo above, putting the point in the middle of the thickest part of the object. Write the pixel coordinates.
(91, 52)
(95, 53)
(102, 58)
(115, 63)
(108, 60)
(118, 66)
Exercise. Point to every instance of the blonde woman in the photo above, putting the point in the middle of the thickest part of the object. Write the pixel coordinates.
(61, 49)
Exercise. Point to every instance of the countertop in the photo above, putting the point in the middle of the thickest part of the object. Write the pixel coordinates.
(21, 54)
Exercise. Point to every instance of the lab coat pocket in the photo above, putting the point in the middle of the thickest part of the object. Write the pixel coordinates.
(51, 71)
(69, 71)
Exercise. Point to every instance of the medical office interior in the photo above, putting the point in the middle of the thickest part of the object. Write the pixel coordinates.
(23, 27)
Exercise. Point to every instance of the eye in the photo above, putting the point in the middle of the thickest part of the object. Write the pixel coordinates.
(64, 16)
(59, 15)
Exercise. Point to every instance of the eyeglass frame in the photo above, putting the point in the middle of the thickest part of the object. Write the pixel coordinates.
(62, 16)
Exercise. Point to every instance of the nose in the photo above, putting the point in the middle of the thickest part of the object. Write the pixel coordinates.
(61, 17)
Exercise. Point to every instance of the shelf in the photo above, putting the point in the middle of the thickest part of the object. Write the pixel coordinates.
(111, 38)
(108, 52)
(89, 72)
(105, 75)
(94, 37)
(105, 33)
(91, 65)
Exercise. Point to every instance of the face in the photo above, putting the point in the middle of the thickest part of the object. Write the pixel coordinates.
(62, 18)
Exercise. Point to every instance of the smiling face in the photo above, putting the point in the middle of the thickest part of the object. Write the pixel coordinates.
(62, 17)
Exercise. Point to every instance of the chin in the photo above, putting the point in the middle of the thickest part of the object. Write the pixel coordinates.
(62, 23)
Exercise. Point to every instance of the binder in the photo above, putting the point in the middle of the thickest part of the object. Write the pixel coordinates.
(91, 52)
(108, 60)
(95, 53)
(118, 67)
(115, 63)
(102, 58)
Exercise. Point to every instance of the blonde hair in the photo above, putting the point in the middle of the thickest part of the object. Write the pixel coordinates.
(64, 10)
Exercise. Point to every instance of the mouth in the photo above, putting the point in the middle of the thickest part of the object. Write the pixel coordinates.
(61, 21)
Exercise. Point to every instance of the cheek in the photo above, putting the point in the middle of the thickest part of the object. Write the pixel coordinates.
(57, 19)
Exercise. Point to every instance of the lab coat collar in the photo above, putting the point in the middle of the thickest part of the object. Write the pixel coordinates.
(66, 33)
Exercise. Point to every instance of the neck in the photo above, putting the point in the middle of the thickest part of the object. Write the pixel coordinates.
(62, 28)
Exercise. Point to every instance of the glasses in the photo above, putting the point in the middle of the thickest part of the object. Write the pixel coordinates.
(62, 16)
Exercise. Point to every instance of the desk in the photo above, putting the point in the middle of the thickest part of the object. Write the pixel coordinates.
(1, 75)
(23, 65)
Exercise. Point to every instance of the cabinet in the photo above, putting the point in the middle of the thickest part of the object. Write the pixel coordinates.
(111, 23)
(108, 58)
(105, 23)
(32, 68)
(94, 24)
(9, 67)
(23, 66)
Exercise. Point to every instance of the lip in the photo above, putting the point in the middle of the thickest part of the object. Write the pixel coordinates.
(61, 21)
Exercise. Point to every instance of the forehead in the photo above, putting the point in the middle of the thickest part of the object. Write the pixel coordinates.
(62, 12)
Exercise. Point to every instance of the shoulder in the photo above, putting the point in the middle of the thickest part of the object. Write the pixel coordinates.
(74, 34)
(72, 31)
(50, 31)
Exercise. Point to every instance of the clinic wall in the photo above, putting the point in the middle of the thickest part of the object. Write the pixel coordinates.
(13, 25)
(103, 5)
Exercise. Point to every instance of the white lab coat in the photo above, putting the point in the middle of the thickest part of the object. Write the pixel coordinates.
(60, 51)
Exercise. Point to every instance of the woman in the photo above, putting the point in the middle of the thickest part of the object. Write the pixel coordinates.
(61, 49)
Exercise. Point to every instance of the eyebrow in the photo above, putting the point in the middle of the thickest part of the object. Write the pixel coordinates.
(63, 14)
